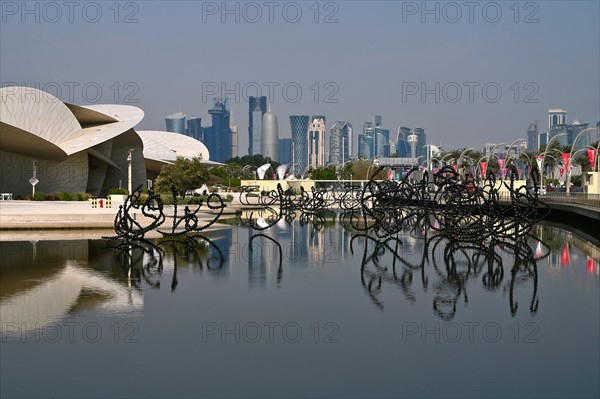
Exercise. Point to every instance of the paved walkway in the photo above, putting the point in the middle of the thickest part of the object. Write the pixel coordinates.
(19, 215)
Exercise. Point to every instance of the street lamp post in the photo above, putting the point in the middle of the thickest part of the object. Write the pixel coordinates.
(544, 156)
(129, 159)
(33, 178)
(508, 153)
(588, 130)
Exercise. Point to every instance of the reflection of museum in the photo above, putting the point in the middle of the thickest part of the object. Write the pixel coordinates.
(78, 148)
(43, 281)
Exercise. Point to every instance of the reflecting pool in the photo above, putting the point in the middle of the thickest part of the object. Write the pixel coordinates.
(301, 311)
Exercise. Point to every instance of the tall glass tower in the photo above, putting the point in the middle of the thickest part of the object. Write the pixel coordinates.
(257, 106)
(365, 146)
(217, 138)
(176, 123)
(285, 151)
(382, 142)
(194, 128)
(316, 142)
(340, 142)
(299, 125)
(532, 137)
(402, 148)
(421, 143)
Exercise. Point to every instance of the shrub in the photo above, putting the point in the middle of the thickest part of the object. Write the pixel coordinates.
(39, 196)
(234, 183)
(82, 196)
(63, 196)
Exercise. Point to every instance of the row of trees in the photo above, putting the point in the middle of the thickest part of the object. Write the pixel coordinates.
(189, 174)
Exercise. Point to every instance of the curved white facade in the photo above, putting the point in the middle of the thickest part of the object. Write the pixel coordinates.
(75, 148)
(161, 148)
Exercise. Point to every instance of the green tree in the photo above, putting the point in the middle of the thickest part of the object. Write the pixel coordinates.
(185, 174)
(323, 173)
(363, 169)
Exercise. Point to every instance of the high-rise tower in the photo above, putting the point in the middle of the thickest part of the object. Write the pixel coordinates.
(194, 128)
(556, 116)
(340, 142)
(217, 138)
(270, 136)
(176, 123)
(299, 125)
(532, 137)
(316, 142)
(257, 106)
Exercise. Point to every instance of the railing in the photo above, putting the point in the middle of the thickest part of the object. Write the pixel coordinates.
(590, 200)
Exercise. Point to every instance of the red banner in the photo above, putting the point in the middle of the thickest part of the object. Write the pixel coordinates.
(592, 157)
(566, 156)
(562, 172)
(483, 166)
(455, 167)
(501, 165)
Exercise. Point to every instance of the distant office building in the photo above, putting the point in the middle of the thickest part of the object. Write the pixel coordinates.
(270, 136)
(340, 142)
(533, 137)
(257, 106)
(285, 151)
(556, 116)
(543, 139)
(498, 150)
(217, 137)
(234, 136)
(377, 121)
(316, 142)
(366, 141)
(557, 120)
(365, 146)
(421, 143)
(194, 128)
(569, 132)
(299, 125)
(382, 142)
(176, 123)
(402, 148)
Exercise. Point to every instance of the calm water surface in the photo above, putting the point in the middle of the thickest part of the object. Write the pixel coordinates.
(300, 312)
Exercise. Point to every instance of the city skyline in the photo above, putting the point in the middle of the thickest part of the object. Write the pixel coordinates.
(410, 68)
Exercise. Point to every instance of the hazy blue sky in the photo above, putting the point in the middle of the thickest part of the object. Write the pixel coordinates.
(365, 58)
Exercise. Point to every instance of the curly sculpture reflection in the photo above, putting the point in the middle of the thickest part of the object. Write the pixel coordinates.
(142, 258)
(454, 262)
